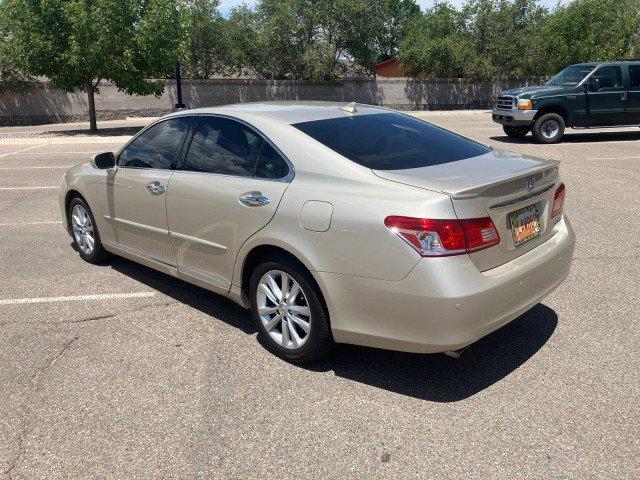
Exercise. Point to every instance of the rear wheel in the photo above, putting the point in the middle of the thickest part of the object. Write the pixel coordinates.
(515, 132)
(549, 128)
(288, 310)
(85, 232)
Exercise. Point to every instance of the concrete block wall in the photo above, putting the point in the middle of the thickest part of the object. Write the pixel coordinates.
(45, 104)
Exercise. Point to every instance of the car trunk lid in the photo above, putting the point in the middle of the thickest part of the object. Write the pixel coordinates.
(495, 185)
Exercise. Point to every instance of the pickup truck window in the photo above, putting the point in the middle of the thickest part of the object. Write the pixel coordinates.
(609, 77)
(571, 75)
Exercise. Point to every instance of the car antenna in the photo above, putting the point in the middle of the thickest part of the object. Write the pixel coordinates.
(350, 108)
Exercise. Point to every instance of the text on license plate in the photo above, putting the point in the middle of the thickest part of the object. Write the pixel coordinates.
(525, 224)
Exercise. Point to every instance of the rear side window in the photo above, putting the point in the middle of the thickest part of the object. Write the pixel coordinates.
(271, 164)
(157, 147)
(391, 141)
(224, 146)
(634, 75)
(609, 77)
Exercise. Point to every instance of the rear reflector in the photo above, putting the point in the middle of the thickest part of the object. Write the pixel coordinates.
(440, 238)
(558, 201)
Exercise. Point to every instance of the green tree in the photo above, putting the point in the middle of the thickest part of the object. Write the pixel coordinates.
(437, 44)
(587, 30)
(505, 34)
(308, 40)
(79, 43)
(398, 15)
(205, 39)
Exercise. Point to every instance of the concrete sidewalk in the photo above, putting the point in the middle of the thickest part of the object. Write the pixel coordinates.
(106, 128)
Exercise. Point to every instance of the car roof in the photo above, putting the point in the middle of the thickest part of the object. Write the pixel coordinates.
(289, 112)
(611, 62)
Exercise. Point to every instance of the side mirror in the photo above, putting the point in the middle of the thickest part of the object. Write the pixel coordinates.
(104, 161)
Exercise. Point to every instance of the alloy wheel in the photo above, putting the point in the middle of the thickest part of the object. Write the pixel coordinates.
(283, 309)
(83, 229)
(550, 129)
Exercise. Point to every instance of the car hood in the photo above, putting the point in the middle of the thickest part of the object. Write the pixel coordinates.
(516, 92)
(472, 176)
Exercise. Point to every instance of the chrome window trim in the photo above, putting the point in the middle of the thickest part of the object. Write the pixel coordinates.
(286, 179)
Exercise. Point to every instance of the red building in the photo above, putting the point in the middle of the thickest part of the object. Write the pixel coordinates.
(389, 68)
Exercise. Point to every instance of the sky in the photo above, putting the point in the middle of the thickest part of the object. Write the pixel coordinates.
(226, 5)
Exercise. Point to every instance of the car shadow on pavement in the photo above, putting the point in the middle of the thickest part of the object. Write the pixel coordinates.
(433, 377)
(575, 137)
(439, 378)
(207, 302)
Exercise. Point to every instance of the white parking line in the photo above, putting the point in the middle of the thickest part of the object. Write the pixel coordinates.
(88, 152)
(28, 188)
(76, 298)
(47, 167)
(23, 150)
(20, 224)
(613, 158)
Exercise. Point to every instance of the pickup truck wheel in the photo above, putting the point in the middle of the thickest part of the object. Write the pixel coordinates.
(549, 128)
(515, 132)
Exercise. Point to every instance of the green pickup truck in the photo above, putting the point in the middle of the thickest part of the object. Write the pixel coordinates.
(587, 95)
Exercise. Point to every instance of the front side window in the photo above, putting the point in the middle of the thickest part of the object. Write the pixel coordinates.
(571, 75)
(609, 77)
(157, 147)
(224, 146)
(391, 141)
(634, 75)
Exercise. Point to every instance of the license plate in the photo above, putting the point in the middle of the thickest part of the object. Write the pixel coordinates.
(525, 224)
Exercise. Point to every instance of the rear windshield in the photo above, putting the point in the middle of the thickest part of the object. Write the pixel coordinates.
(391, 141)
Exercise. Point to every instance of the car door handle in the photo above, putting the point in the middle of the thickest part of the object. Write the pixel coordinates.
(155, 188)
(623, 96)
(253, 199)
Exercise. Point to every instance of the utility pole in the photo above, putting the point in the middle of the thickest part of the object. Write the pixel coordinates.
(179, 103)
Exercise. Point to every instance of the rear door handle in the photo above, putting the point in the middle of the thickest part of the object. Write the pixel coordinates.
(155, 188)
(253, 199)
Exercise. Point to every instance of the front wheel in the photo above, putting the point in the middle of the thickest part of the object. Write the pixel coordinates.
(288, 310)
(549, 128)
(86, 238)
(515, 132)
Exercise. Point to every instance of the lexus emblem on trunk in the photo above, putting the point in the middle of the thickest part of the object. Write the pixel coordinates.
(530, 182)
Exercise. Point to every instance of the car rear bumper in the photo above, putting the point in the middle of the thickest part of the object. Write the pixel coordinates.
(445, 303)
(513, 117)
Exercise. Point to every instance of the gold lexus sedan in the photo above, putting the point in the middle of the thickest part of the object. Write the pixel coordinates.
(332, 223)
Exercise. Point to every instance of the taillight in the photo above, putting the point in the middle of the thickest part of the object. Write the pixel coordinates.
(558, 201)
(439, 238)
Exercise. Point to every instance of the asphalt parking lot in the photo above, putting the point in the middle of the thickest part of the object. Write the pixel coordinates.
(120, 372)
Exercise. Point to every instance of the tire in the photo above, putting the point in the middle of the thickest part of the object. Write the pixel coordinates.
(515, 132)
(274, 334)
(90, 252)
(549, 128)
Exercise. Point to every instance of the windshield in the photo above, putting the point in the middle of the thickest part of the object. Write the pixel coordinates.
(391, 141)
(571, 75)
